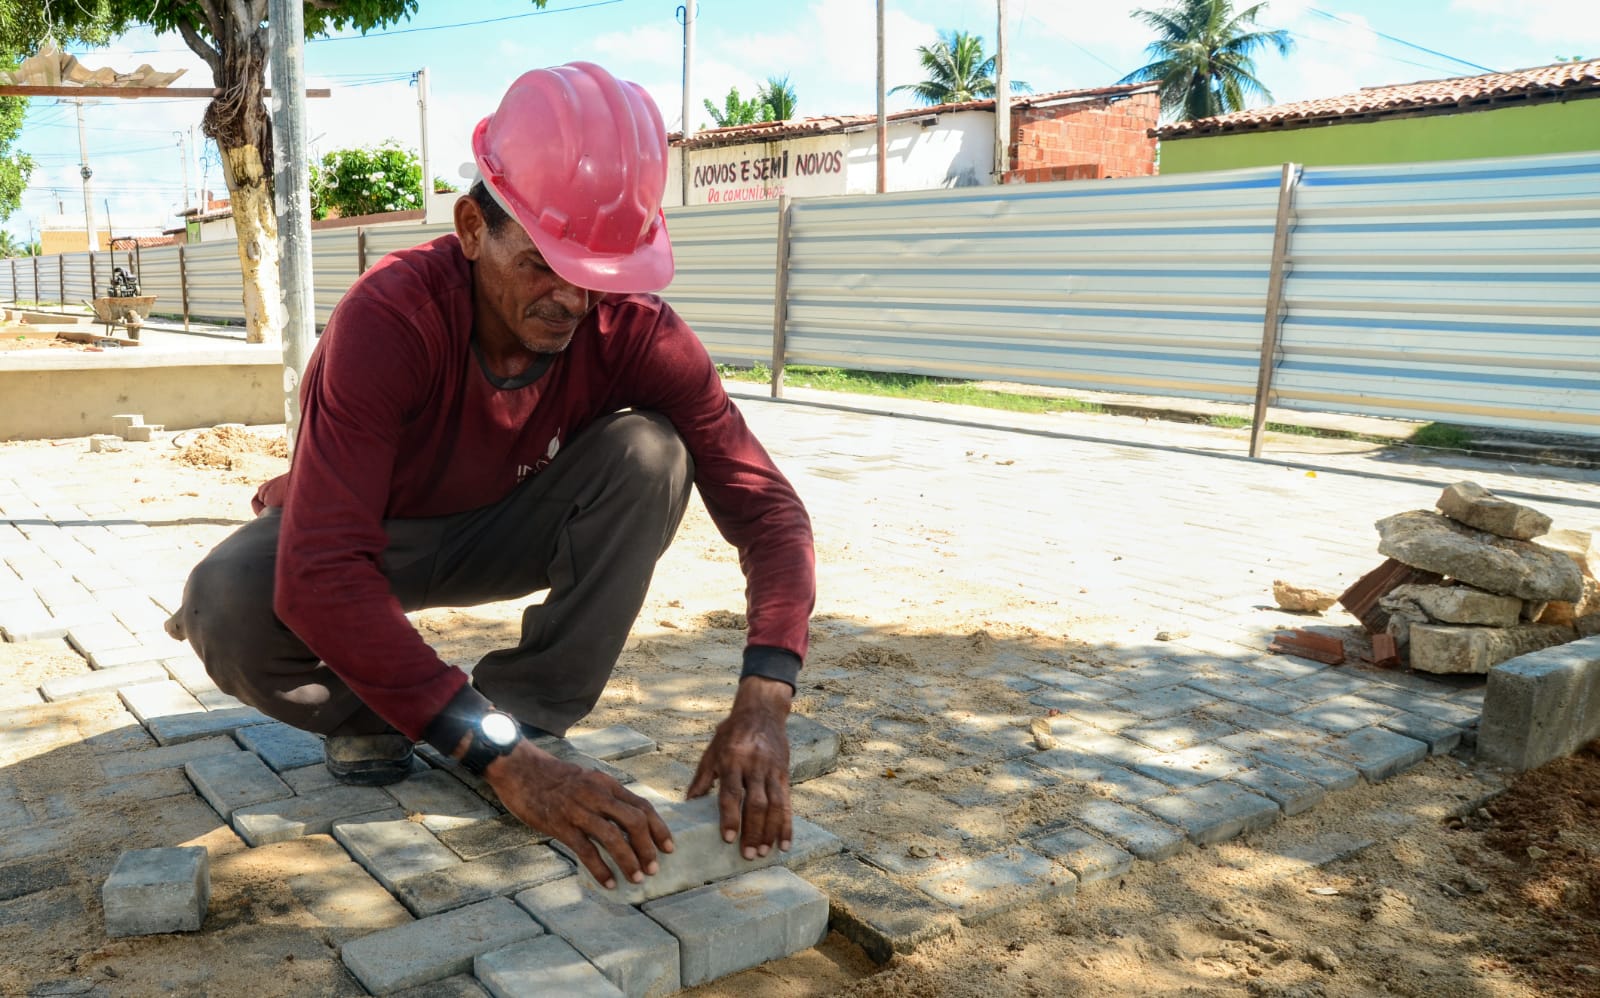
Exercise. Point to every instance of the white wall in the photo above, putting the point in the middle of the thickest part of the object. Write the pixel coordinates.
(955, 151)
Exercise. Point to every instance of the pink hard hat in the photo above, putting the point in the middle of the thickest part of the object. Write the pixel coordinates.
(579, 158)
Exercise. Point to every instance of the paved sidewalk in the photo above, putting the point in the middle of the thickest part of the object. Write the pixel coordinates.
(1154, 545)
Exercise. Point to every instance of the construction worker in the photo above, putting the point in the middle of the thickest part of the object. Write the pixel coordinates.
(500, 411)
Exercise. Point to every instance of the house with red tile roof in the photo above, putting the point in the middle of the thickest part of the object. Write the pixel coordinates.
(1547, 109)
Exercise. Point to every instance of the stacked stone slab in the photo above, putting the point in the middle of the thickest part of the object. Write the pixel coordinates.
(1503, 595)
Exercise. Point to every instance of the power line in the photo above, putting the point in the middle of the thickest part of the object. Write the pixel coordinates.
(1400, 41)
(1431, 67)
(465, 24)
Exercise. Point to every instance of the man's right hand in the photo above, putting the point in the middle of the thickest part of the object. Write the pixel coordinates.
(580, 807)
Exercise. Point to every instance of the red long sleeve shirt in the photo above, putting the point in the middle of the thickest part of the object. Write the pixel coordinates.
(400, 420)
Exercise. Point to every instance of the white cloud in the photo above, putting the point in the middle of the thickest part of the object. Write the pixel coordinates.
(1557, 24)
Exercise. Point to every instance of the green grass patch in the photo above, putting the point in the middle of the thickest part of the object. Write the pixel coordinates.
(1442, 435)
(907, 386)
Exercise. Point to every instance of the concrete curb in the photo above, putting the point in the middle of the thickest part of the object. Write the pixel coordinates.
(1541, 706)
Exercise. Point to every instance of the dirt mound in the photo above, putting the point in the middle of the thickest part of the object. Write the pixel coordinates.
(230, 448)
(870, 656)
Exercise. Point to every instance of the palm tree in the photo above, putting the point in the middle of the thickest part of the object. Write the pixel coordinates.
(958, 71)
(1203, 57)
(777, 98)
(9, 245)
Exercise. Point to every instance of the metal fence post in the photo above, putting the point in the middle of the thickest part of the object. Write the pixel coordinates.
(183, 285)
(61, 282)
(1274, 312)
(361, 250)
(14, 294)
(780, 297)
(93, 283)
(37, 303)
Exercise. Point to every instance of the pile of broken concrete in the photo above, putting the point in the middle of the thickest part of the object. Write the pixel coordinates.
(1480, 581)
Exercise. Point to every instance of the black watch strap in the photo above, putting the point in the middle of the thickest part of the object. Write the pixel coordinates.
(482, 750)
(459, 717)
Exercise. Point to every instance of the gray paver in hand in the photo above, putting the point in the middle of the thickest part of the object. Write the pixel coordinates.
(635, 954)
(307, 814)
(1090, 859)
(280, 746)
(741, 923)
(1215, 812)
(995, 884)
(120, 764)
(431, 949)
(157, 890)
(875, 912)
(100, 681)
(1138, 833)
(499, 873)
(237, 779)
(542, 966)
(1379, 754)
(811, 842)
(440, 801)
(610, 744)
(392, 848)
(1293, 794)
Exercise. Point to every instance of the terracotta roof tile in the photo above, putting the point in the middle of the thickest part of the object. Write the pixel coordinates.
(1370, 102)
(767, 131)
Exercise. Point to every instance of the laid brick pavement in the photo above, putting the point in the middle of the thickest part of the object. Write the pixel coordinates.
(1188, 740)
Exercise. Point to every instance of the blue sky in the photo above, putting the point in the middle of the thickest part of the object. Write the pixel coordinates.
(825, 46)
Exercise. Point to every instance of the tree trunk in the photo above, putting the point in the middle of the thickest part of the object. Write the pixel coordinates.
(256, 222)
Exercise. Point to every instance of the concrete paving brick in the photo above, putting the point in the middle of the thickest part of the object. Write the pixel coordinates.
(1327, 684)
(439, 801)
(1178, 732)
(1285, 667)
(43, 627)
(988, 741)
(1293, 794)
(1377, 753)
(1254, 720)
(1249, 692)
(610, 744)
(1215, 812)
(1164, 701)
(281, 746)
(497, 874)
(813, 749)
(1001, 782)
(172, 729)
(1089, 858)
(189, 672)
(33, 876)
(1342, 714)
(142, 653)
(1193, 766)
(629, 948)
(167, 757)
(1455, 714)
(659, 770)
(148, 701)
(700, 856)
(103, 636)
(1070, 764)
(995, 884)
(459, 986)
(875, 912)
(1138, 833)
(741, 923)
(239, 779)
(1104, 745)
(341, 897)
(542, 966)
(1295, 759)
(1099, 715)
(216, 700)
(100, 681)
(563, 750)
(308, 814)
(431, 949)
(304, 779)
(392, 848)
(157, 890)
(810, 843)
(1441, 738)
(1127, 786)
(491, 835)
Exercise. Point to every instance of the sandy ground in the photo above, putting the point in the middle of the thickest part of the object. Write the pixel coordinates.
(1447, 899)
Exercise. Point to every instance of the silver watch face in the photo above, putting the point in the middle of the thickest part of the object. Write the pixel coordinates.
(498, 728)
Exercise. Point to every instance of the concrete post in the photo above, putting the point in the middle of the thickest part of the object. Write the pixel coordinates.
(291, 186)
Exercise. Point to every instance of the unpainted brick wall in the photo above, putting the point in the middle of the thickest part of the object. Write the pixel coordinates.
(1084, 141)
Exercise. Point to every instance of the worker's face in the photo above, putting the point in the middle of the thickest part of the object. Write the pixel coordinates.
(516, 290)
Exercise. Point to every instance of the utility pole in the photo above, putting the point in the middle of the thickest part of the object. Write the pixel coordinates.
(183, 154)
(199, 181)
(85, 173)
(291, 183)
(883, 116)
(421, 79)
(688, 64)
(1002, 98)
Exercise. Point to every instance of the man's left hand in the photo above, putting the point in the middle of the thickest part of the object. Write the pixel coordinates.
(748, 759)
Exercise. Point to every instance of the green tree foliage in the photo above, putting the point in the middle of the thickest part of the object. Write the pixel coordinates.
(366, 181)
(15, 166)
(734, 110)
(777, 99)
(958, 71)
(1204, 57)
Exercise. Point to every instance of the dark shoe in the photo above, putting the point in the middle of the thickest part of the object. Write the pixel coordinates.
(368, 760)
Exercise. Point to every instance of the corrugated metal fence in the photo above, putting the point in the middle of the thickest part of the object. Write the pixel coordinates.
(1467, 292)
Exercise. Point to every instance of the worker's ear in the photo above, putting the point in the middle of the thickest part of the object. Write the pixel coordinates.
(471, 228)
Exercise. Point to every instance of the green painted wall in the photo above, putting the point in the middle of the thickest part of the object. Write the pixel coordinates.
(1510, 131)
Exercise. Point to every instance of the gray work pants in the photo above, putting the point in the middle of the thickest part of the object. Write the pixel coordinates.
(589, 528)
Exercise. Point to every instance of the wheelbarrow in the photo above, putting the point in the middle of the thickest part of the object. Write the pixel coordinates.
(128, 311)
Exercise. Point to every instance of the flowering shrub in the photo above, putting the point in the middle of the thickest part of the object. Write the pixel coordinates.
(366, 181)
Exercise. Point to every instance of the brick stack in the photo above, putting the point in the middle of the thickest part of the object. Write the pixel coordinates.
(1087, 140)
(1481, 581)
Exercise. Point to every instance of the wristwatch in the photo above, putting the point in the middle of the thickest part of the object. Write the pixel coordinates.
(494, 734)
